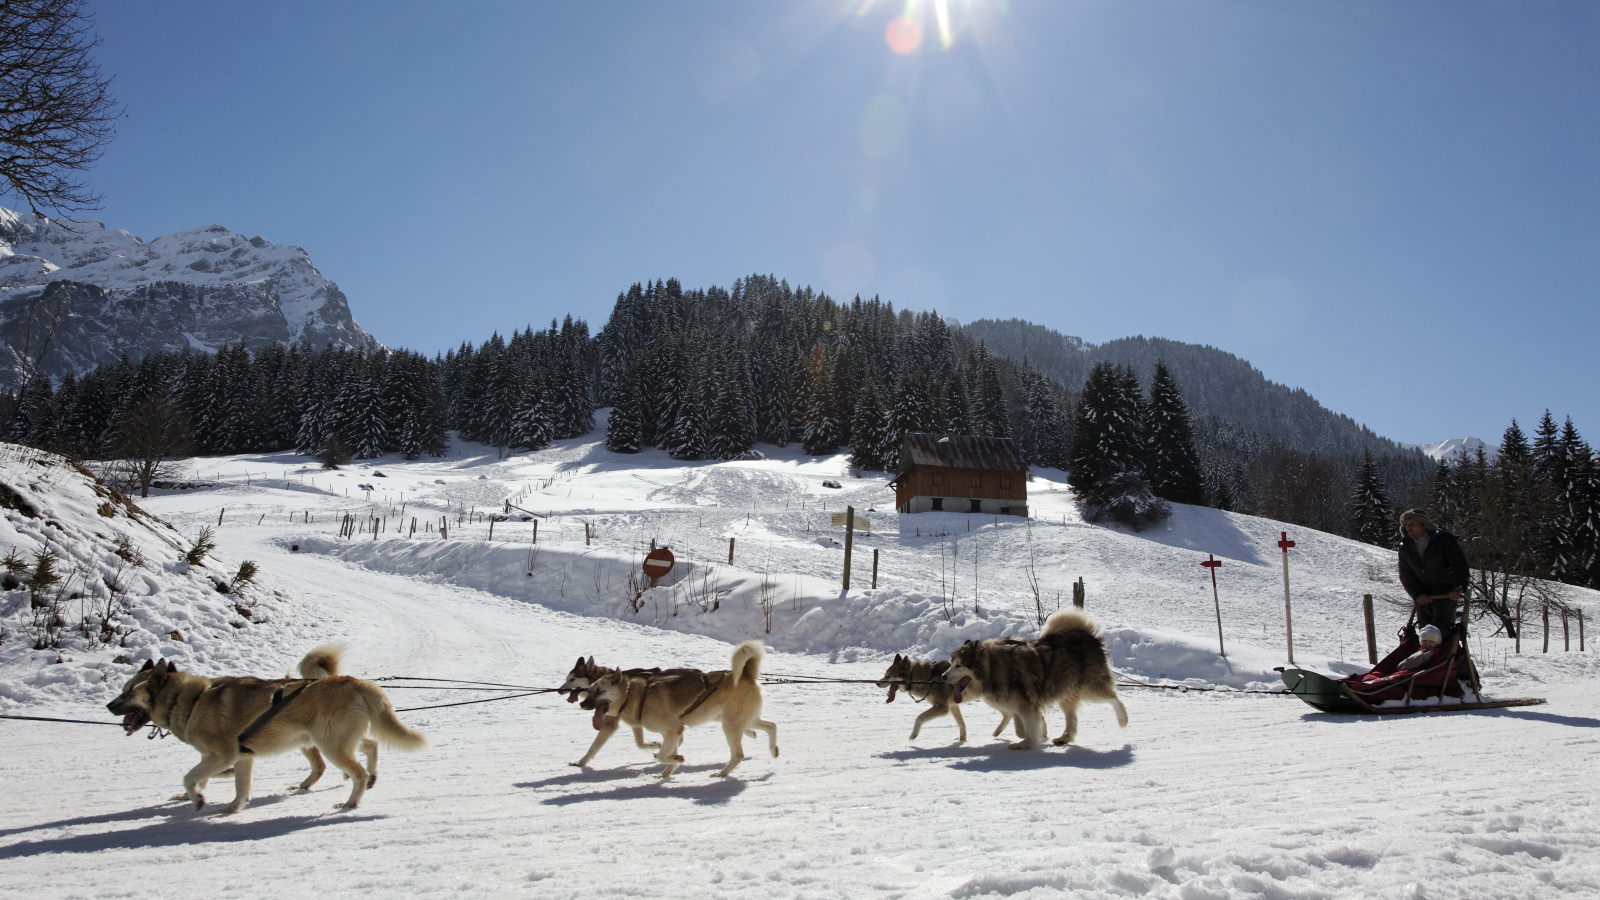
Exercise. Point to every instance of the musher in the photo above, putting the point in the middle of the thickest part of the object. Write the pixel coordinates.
(1433, 570)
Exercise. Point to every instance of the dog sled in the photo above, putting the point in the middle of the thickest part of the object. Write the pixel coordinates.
(1447, 683)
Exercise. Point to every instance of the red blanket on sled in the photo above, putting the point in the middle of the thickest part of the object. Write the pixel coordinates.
(1387, 681)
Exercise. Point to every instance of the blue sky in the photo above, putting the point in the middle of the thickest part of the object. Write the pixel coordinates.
(1395, 206)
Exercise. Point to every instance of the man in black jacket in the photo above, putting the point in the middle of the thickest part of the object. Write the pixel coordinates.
(1433, 570)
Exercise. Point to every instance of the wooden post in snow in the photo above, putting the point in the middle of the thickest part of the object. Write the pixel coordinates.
(1213, 564)
(1288, 617)
(849, 540)
(1078, 592)
(1546, 628)
(1566, 641)
(730, 551)
(219, 515)
(1372, 632)
(875, 584)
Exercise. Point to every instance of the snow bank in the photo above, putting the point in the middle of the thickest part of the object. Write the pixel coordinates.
(124, 595)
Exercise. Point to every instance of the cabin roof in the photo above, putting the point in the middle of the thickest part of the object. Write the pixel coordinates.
(962, 451)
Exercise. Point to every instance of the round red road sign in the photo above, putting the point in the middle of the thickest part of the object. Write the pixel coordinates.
(659, 562)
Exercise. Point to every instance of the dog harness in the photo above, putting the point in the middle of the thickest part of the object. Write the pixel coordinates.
(280, 699)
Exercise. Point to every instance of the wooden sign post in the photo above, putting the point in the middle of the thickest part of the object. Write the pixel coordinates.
(1288, 618)
(849, 541)
(1372, 632)
(1213, 564)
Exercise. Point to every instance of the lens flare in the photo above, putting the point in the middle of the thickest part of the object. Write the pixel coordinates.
(903, 35)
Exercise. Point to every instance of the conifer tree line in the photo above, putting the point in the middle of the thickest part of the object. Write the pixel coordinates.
(1531, 512)
(707, 374)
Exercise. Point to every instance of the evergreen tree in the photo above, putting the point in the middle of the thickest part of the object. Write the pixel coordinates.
(867, 452)
(732, 425)
(624, 430)
(991, 415)
(1370, 516)
(531, 427)
(1105, 432)
(1172, 462)
(820, 436)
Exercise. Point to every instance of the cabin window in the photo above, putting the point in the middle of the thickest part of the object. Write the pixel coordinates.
(977, 481)
(938, 504)
(1005, 481)
(937, 479)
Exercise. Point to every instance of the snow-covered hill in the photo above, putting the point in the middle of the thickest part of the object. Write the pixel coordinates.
(1215, 795)
(123, 590)
(200, 288)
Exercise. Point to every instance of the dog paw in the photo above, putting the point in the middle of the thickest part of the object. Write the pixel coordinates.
(232, 808)
(344, 806)
(1061, 742)
(371, 780)
(199, 801)
(719, 774)
(774, 751)
(177, 797)
(651, 745)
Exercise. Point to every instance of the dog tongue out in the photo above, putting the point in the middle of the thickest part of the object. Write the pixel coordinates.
(134, 721)
(961, 686)
(892, 689)
(600, 714)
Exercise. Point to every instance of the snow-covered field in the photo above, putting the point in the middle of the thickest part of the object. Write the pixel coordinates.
(1204, 795)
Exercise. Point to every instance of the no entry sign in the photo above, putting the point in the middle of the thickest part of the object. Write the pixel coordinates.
(658, 562)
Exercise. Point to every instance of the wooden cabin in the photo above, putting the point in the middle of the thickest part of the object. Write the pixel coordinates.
(961, 473)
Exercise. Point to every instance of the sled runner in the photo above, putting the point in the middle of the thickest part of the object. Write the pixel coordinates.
(1446, 683)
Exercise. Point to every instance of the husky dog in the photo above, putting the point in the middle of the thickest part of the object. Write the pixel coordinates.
(325, 714)
(923, 680)
(585, 673)
(669, 703)
(1066, 665)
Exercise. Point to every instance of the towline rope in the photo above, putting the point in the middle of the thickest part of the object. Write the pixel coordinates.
(68, 721)
(1130, 681)
(807, 679)
(519, 687)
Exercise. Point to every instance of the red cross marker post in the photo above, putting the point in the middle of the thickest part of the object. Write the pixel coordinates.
(1288, 618)
(1213, 564)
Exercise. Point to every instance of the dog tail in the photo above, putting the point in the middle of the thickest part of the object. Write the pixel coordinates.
(385, 725)
(1067, 620)
(323, 661)
(746, 662)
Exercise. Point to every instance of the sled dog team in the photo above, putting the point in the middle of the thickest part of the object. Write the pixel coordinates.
(328, 716)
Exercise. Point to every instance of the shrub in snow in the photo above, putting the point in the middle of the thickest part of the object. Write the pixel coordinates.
(1126, 499)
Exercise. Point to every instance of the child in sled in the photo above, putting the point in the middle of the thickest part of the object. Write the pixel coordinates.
(1430, 637)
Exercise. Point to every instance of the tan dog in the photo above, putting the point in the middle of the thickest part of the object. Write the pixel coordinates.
(328, 714)
(1066, 665)
(586, 673)
(668, 704)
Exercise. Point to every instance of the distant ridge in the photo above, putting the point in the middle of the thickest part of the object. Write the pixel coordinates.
(1214, 382)
(201, 289)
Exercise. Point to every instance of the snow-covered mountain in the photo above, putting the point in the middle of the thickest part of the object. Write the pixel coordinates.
(1453, 449)
(200, 288)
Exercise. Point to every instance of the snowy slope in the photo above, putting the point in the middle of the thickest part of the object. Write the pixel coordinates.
(200, 288)
(125, 591)
(1202, 796)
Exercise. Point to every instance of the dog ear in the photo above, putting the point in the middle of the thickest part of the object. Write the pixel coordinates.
(148, 665)
(580, 663)
(591, 660)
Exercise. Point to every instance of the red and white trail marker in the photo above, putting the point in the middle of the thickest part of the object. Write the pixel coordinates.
(1288, 618)
(1213, 564)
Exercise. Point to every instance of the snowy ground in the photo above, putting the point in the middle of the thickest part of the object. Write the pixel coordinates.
(1203, 795)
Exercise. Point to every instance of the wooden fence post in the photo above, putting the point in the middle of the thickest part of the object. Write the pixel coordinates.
(849, 536)
(219, 515)
(1372, 633)
(875, 587)
(1566, 642)
(586, 534)
(1580, 631)
(1077, 592)
(730, 551)
(1546, 628)
(491, 529)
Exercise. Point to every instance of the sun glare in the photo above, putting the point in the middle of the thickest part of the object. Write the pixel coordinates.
(903, 35)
